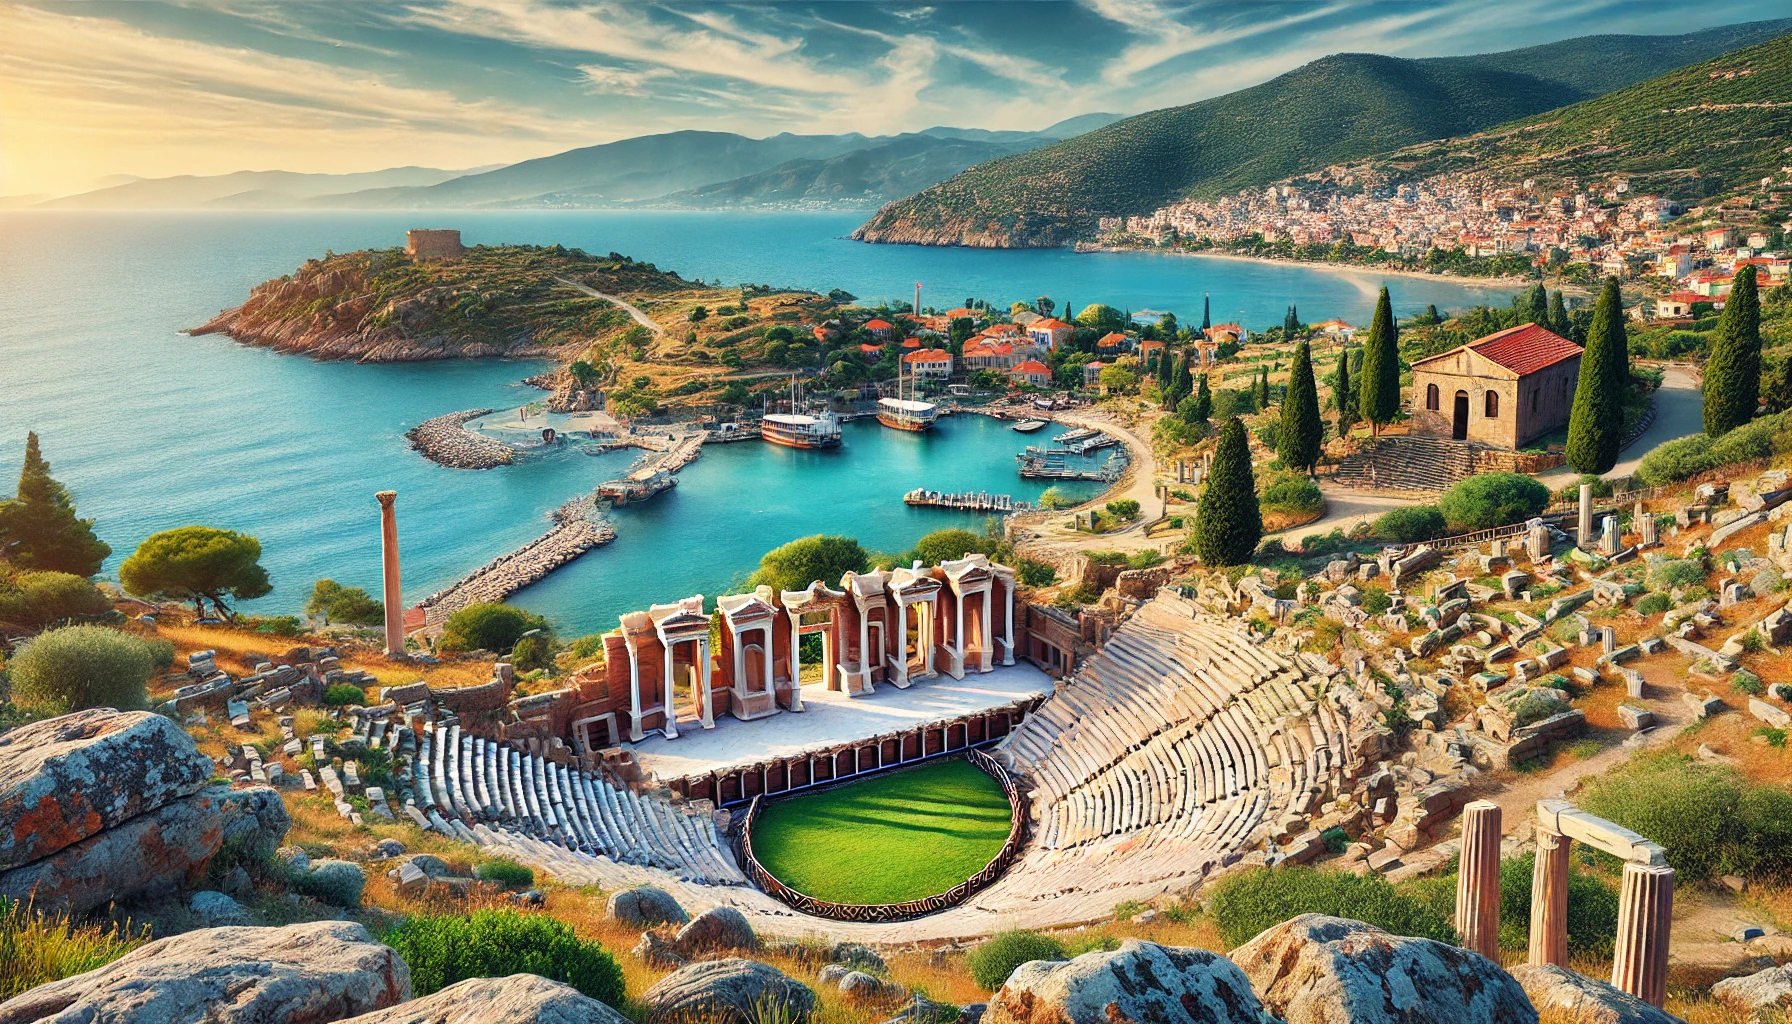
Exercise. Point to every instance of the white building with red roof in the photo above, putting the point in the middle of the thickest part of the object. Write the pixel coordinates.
(1050, 332)
(1031, 372)
(1504, 390)
(929, 363)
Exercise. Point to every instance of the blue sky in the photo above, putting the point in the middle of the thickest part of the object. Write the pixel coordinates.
(154, 88)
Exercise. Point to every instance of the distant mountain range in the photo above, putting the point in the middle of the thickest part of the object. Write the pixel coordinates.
(1338, 109)
(687, 169)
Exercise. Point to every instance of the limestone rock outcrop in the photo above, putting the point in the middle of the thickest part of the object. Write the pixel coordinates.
(1585, 1000)
(1316, 969)
(301, 974)
(726, 992)
(1760, 990)
(717, 928)
(645, 905)
(1140, 981)
(103, 805)
(518, 999)
(66, 779)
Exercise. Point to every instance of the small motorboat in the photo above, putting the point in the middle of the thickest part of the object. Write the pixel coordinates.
(1028, 426)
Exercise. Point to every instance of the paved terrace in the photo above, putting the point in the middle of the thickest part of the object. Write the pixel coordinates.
(832, 719)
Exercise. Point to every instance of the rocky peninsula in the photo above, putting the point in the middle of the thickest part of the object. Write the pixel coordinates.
(391, 306)
(445, 440)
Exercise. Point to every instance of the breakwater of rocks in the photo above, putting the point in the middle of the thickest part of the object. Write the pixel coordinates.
(446, 441)
(578, 527)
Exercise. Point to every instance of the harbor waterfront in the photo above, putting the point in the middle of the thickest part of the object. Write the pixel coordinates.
(152, 429)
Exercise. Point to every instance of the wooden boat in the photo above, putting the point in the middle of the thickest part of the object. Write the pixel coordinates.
(800, 430)
(911, 413)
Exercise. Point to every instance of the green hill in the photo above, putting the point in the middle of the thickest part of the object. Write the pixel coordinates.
(1688, 135)
(1340, 108)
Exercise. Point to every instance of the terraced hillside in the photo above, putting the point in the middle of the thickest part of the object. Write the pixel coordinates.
(1340, 108)
(1689, 134)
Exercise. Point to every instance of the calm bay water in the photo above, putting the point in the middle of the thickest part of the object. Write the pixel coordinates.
(151, 429)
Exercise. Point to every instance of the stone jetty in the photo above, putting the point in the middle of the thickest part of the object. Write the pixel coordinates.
(578, 527)
(445, 440)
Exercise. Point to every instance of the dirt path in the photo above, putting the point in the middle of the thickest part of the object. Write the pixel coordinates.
(1679, 411)
(641, 318)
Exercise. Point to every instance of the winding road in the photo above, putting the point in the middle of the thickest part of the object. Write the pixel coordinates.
(641, 318)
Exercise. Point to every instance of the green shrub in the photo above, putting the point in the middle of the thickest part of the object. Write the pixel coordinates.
(947, 545)
(534, 652)
(992, 962)
(1676, 572)
(1125, 508)
(1676, 460)
(1292, 495)
(1488, 500)
(444, 949)
(1243, 904)
(1601, 488)
(80, 667)
(507, 873)
(1708, 818)
(30, 601)
(1654, 604)
(336, 882)
(1689, 456)
(342, 695)
(1747, 682)
(591, 645)
(1376, 600)
(1406, 525)
(487, 627)
(1035, 574)
(1592, 905)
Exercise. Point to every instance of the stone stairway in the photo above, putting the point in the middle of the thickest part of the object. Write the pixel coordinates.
(1411, 463)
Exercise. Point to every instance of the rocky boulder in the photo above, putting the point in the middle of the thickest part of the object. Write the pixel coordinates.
(1316, 969)
(518, 999)
(644, 905)
(1585, 1000)
(1761, 990)
(217, 910)
(726, 992)
(1140, 981)
(301, 974)
(717, 928)
(67, 779)
(656, 950)
(154, 853)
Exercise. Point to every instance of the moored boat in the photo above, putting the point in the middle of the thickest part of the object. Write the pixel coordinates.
(1028, 426)
(798, 430)
(907, 414)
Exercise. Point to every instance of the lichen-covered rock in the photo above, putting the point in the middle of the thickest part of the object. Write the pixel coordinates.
(1760, 990)
(1140, 981)
(156, 853)
(217, 910)
(857, 986)
(830, 974)
(430, 864)
(858, 955)
(301, 974)
(337, 882)
(727, 992)
(655, 950)
(1316, 969)
(717, 928)
(66, 779)
(1585, 1000)
(645, 905)
(518, 999)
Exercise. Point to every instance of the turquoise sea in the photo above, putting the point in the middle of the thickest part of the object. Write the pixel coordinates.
(151, 429)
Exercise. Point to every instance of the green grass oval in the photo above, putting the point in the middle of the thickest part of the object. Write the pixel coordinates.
(891, 838)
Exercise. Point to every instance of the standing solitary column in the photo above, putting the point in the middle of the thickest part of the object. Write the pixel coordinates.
(394, 593)
(1478, 881)
(1584, 533)
(1645, 915)
(1549, 901)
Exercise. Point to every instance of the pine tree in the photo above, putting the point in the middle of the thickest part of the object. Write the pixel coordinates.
(1378, 399)
(1733, 373)
(39, 529)
(1206, 313)
(1301, 431)
(1203, 399)
(1228, 521)
(1596, 422)
(1558, 315)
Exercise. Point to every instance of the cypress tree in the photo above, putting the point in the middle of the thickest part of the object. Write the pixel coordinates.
(1378, 399)
(1558, 315)
(1263, 390)
(1290, 325)
(1185, 381)
(1536, 306)
(1228, 522)
(1203, 399)
(1733, 373)
(1165, 371)
(1206, 313)
(1342, 396)
(39, 530)
(1298, 439)
(1596, 422)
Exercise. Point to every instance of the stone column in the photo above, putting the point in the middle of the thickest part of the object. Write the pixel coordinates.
(765, 663)
(864, 649)
(634, 696)
(1549, 901)
(389, 555)
(1478, 880)
(1008, 609)
(985, 642)
(709, 715)
(669, 693)
(1645, 912)
(1584, 526)
(901, 679)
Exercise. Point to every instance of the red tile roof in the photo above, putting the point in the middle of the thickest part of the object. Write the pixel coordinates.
(1052, 324)
(1523, 349)
(878, 325)
(928, 355)
(1032, 367)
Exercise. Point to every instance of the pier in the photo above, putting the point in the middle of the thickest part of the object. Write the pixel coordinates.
(578, 527)
(1086, 444)
(980, 501)
(1052, 464)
